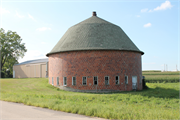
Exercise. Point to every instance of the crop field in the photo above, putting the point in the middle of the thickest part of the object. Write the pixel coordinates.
(160, 101)
(159, 76)
(160, 73)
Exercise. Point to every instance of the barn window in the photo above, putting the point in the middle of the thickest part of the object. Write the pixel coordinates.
(95, 80)
(73, 80)
(65, 81)
(57, 81)
(126, 79)
(117, 80)
(84, 80)
(106, 80)
(52, 81)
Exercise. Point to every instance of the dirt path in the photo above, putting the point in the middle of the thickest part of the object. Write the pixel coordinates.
(17, 111)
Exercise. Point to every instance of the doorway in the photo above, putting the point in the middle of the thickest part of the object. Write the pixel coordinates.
(13, 74)
(134, 82)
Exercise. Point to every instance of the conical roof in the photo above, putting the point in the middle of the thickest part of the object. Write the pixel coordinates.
(94, 33)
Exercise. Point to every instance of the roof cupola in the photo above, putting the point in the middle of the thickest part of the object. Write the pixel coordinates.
(94, 13)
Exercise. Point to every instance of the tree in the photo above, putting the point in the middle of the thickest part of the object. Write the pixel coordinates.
(7, 71)
(11, 49)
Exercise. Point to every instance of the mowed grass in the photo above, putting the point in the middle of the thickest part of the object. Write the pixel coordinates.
(160, 101)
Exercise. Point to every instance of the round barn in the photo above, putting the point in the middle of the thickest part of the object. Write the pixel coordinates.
(95, 56)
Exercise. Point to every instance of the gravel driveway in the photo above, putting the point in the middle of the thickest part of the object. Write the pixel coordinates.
(18, 111)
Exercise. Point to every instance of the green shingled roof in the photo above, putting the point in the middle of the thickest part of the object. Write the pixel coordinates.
(94, 33)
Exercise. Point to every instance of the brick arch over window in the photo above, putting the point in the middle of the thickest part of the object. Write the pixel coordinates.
(96, 63)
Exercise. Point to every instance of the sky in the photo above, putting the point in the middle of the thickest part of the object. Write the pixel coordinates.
(153, 25)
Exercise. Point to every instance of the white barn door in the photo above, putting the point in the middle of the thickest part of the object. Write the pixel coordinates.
(13, 74)
(134, 82)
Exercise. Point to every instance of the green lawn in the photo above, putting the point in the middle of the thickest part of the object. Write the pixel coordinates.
(160, 101)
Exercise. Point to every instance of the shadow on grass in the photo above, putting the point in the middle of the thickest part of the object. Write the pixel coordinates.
(157, 92)
(160, 92)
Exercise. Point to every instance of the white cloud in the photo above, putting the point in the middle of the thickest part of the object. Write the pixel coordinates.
(31, 55)
(43, 43)
(144, 10)
(138, 16)
(150, 11)
(31, 17)
(18, 15)
(148, 25)
(164, 6)
(3, 11)
(43, 29)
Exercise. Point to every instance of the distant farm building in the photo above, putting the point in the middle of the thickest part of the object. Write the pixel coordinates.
(95, 55)
(31, 69)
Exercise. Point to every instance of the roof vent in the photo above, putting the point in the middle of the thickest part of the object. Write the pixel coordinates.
(94, 13)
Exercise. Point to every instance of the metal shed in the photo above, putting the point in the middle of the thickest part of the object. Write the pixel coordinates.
(31, 69)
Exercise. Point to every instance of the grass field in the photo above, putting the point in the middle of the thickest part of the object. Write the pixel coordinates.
(160, 101)
(150, 75)
(160, 73)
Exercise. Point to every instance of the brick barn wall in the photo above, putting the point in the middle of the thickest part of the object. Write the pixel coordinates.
(96, 63)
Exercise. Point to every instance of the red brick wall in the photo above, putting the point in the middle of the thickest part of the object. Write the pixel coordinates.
(96, 63)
